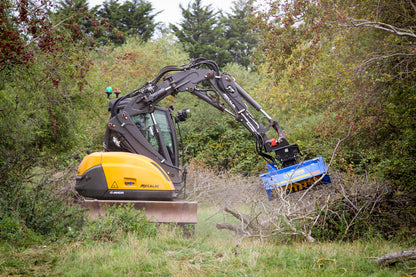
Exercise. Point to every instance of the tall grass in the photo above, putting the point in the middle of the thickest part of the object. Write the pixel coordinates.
(209, 252)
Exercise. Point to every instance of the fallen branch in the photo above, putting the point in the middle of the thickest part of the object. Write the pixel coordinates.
(228, 226)
(242, 217)
(396, 257)
(249, 224)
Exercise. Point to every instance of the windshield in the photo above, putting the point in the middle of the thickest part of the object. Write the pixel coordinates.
(145, 124)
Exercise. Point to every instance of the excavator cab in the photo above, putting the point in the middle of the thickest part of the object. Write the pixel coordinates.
(117, 174)
(147, 124)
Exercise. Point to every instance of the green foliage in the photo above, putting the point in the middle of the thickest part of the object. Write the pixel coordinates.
(206, 33)
(239, 39)
(220, 142)
(284, 27)
(115, 21)
(118, 220)
(137, 19)
(135, 62)
(14, 230)
(39, 128)
(34, 211)
(40, 103)
(110, 22)
(199, 31)
(354, 85)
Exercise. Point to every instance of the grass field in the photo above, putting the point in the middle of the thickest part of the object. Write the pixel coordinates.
(209, 252)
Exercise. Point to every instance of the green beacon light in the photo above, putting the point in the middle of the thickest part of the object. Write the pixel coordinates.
(109, 91)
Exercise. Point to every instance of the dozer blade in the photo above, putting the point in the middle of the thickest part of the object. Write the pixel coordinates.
(179, 212)
(294, 178)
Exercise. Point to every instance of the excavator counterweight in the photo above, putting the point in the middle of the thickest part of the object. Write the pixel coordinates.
(122, 175)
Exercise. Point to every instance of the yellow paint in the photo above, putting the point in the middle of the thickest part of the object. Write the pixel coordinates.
(297, 178)
(294, 173)
(128, 171)
(134, 172)
(88, 162)
(293, 187)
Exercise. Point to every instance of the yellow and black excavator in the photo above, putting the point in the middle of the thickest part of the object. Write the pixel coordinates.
(141, 157)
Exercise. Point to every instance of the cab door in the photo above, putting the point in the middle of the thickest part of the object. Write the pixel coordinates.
(159, 130)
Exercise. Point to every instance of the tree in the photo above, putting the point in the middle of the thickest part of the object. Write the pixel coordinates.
(78, 14)
(225, 39)
(200, 32)
(42, 74)
(390, 66)
(108, 23)
(284, 27)
(137, 19)
(356, 59)
(25, 28)
(122, 20)
(241, 41)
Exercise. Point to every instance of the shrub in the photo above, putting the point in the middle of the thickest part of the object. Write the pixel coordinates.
(36, 210)
(118, 220)
(366, 210)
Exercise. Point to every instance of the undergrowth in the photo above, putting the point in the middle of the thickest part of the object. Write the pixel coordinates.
(205, 254)
(116, 221)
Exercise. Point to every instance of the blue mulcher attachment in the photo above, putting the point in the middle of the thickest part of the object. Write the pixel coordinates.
(295, 177)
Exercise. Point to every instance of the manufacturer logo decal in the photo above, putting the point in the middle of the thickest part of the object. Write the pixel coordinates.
(149, 186)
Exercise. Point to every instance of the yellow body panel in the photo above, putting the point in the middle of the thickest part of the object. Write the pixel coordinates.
(128, 171)
(88, 162)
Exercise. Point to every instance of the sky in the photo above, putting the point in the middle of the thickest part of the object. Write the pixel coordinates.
(171, 13)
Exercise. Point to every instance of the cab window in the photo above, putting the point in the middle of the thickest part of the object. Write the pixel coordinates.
(145, 124)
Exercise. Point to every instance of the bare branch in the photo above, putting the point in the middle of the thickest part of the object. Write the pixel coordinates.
(231, 227)
(378, 58)
(413, 6)
(332, 158)
(383, 26)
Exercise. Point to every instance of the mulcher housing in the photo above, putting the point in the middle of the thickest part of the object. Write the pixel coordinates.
(294, 178)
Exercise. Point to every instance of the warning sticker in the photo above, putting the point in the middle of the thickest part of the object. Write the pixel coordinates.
(114, 185)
